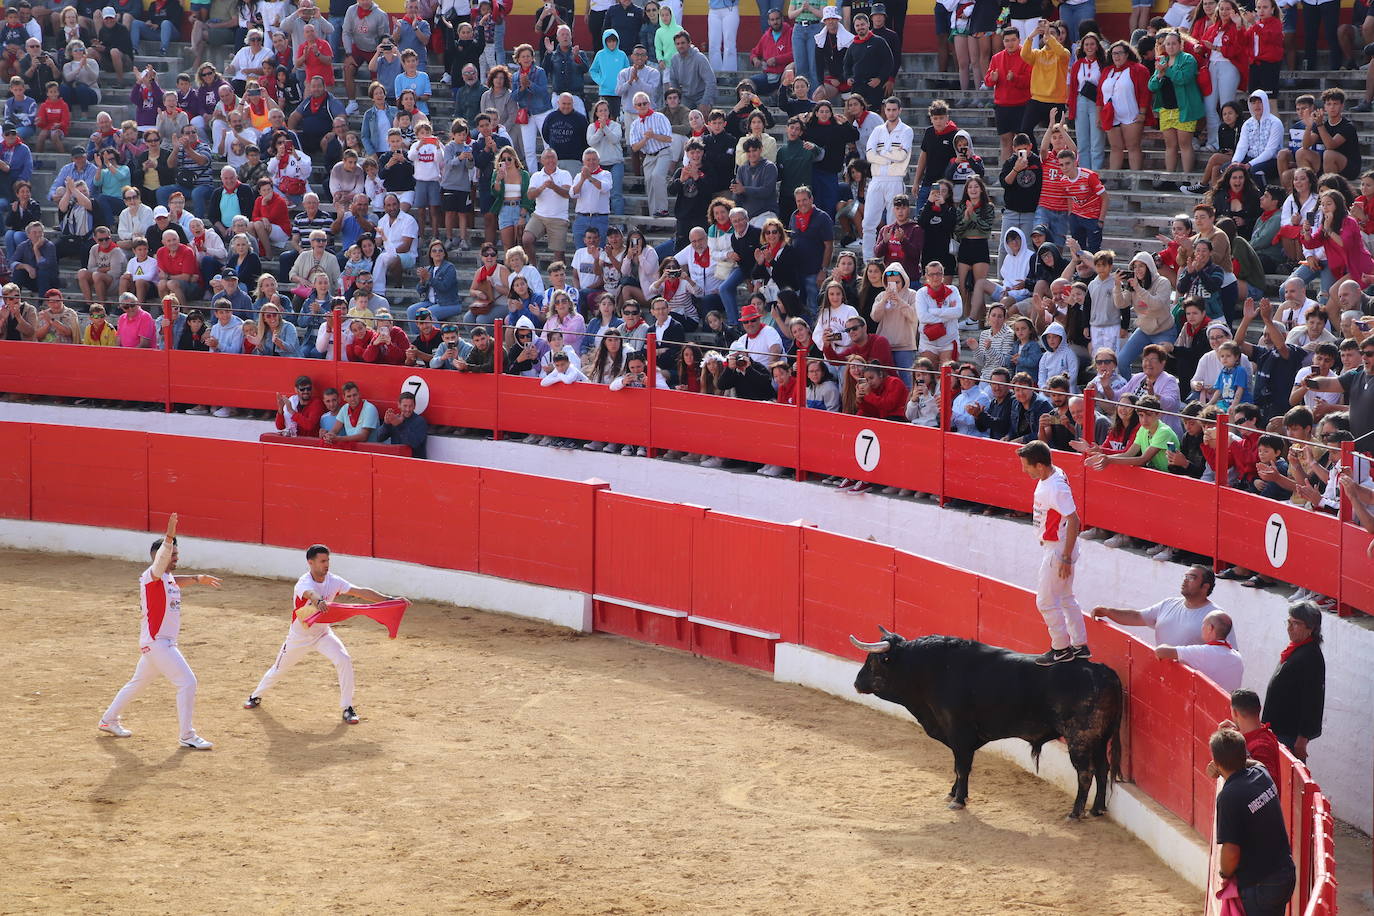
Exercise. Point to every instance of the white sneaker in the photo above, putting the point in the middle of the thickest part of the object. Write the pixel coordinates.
(199, 410)
(890, 491)
(594, 446)
(628, 451)
(968, 324)
(352, 107)
(1164, 554)
(771, 470)
(905, 492)
(671, 455)
(712, 462)
(611, 448)
(1301, 594)
(115, 728)
(642, 452)
(446, 79)
(1093, 534)
(196, 743)
(223, 412)
(547, 440)
(691, 458)
(1117, 540)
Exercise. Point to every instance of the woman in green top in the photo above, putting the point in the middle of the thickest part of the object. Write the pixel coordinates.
(110, 181)
(510, 196)
(806, 24)
(664, 49)
(1177, 99)
(1153, 441)
(972, 231)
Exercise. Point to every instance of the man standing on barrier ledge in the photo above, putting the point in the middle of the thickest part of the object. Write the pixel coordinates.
(1057, 526)
(160, 595)
(313, 592)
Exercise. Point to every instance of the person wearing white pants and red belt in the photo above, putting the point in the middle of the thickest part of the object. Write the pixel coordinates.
(160, 596)
(888, 152)
(1057, 525)
(722, 26)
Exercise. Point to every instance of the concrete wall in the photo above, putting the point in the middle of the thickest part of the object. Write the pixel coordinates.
(992, 546)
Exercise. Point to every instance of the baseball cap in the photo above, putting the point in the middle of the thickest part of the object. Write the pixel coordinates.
(159, 211)
(80, 151)
(1041, 230)
(423, 313)
(107, 13)
(10, 129)
(229, 273)
(879, 8)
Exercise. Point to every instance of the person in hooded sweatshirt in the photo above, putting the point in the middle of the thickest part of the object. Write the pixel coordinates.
(1013, 269)
(895, 311)
(965, 164)
(1058, 358)
(606, 67)
(1260, 139)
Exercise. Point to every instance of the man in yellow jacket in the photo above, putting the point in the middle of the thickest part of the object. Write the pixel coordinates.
(1049, 74)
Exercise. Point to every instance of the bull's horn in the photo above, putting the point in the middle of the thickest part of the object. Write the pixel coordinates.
(886, 632)
(881, 646)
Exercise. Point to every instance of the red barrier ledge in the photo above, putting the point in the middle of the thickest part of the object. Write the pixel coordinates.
(379, 448)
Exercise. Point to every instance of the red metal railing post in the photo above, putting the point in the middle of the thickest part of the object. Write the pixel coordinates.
(1090, 415)
(498, 366)
(801, 405)
(946, 418)
(651, 353)
(167, 345)
(336, 327)
(1343, 517)
(1223, 473)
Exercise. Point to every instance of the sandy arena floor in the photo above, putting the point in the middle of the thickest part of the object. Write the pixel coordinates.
(501, 766)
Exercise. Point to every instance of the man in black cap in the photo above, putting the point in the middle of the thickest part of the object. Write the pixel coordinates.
(238, 298)
(879, 23)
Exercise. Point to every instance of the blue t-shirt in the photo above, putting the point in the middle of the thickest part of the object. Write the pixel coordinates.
(1232, 383)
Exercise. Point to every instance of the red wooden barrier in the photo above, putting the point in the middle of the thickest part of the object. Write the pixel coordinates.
(1211, 705)
(907, 456)
(848, 586)
(1249, 527)
(314, 495)
(1356, 568)
(760, 431)
(932, 598)
(1162, 755)
(15, 470)
(988, 472)
(83, 372)
(748, 574)
(375, 448)
(1177, 512)
(1114, 648)
(90, 476)
(536, 529)
(466, 399)
(430, 518)
(1007, 617)
(249, 382)
(215, 487)
(625, 527)
(576, 411)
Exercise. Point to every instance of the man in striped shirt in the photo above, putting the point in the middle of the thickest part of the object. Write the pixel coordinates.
(160, 594)
(651, 135)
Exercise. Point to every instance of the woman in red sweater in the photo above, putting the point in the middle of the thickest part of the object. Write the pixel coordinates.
(1219, 33)
(1339, 233)
(1264, 33)
(881, 394)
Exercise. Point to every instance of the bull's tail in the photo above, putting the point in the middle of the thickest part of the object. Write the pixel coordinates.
(1035, 754)
(1114, 755)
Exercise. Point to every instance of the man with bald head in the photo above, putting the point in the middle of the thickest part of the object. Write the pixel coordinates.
(1214, 656)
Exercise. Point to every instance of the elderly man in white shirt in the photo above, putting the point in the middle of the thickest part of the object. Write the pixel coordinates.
(397, 230)
(1214, 656)
(550, 188)
(651, 135)
(591, 188)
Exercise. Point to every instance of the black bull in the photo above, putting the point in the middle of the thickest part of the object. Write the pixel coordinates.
(966, 694)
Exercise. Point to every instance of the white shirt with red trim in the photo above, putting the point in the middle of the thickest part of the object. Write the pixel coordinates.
(161, 600)
(331, 586)
(1053, 504)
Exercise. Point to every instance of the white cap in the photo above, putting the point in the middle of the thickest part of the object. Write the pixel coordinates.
(107, 13)
(160, 211)
(830, 12)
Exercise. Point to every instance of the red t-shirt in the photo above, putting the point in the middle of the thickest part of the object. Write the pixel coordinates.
(313, 66)
(54, 114)
(183, 262)
(1367, 227)
(1262, 745)
(274, 211)
(1084, 193)
(1053, 194)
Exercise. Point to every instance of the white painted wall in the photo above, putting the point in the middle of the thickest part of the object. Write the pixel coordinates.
(992, 546)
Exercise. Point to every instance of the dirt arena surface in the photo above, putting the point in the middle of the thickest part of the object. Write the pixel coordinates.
(501, 766)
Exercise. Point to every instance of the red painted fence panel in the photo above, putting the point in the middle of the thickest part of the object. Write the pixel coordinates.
(90, 476)
(1161, 694)
(236, 380)
(83, 372)
(581, 411)
(15, 470)
(988, 472)
(1113, 648)
(848, 586)
(907, 456)
(748, 572)
(1250, 526)
(214, 486)
(536, 529)
(1007, 617)
(1357, 569)
(760, 431)
(316, 495)
(432, 519)
(466, 399)
(1211, 706)
(932, 598)
(1178, 512)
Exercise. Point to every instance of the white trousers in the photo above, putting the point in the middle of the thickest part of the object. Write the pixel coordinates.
(300, 642)
(877, 203)
(1054, 597)
(656, 167)
(722, 25)
(1225, 84)
(165, 659)
(1025, 27)
(1108, 336)
(528, 134)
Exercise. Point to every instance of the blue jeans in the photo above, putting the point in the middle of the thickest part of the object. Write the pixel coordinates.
(209, 266)
(13, 239)
(488, 320)
(582, 222)
(764, 7)
(26, 133)
(1269, 896)
(113, 205)
(1088, 232)
(617, 171)
(501, 43)
(1307, 275)
(1057, 221)
(78, 95)
(199, 197)
(904, 360)
(336, 39)
(142, 31)
(1071, 16)
(804, 52)
(1137, 342)
(728, 292)
(811, 292)
(1092, 139)
(1023, 221)
(441, 313)
(923, 194)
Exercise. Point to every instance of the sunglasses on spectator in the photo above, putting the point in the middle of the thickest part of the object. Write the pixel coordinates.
(851, 328)
(1367, 353)
(304, 387)
(1105, 362)
(631, 313)
(754, 321)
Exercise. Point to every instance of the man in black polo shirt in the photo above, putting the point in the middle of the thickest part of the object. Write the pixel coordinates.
(1249, 827)
(812, 236)
(1276, 365)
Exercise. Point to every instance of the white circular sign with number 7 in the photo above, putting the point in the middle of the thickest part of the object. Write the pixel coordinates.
(418, 387)
(1276, 540)
(867, 450)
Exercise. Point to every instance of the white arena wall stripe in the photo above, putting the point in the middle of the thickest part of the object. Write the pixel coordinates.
(1166, 835)
(991, 546)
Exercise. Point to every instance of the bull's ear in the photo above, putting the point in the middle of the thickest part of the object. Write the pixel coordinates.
(888, 634)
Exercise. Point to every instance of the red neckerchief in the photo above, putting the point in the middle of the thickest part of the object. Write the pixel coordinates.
(199, 242)
(1218, 642)
(107, 246)
(771, 253)
(670, 289)
(723, 227)
(804, 219)
(698, 133)
(702, 258)
(173, 112)
(1235, 195)
(97, 327)
(315, 104)
(939, 295)
(858, 41)
(355, 415)
(285, 158)
(1266, 214)
(647, 114)
(1192, 331)
(861, 118)
(485, 273)
(1292, 647)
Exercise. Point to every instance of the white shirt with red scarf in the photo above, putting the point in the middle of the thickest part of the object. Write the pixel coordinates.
(331, 587)
(1052, 505)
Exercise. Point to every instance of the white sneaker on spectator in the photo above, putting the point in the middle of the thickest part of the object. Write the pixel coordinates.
(1164, 554)
(446, 79)
(199, 410)
(831, 481)
(1093, 534)
(1117, 540)
(692, 458)
(1301, 594)
(712, 462)
(547, 440)
(642, 452)
(890, 491)
(611, 448)
(671, 455)
(594, 446)
(352, 107)
(905, 492)
(771, 470)
(223, 412)
(968, 324)
(628, 451)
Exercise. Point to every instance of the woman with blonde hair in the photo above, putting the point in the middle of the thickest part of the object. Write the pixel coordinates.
(276, 337)
(850, 377)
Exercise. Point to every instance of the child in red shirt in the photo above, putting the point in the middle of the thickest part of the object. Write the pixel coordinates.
(54, 121)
